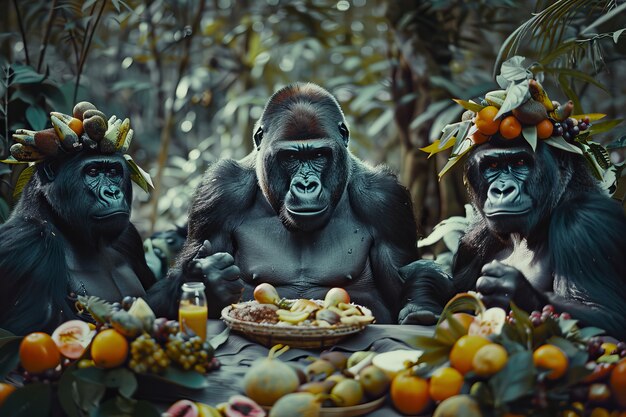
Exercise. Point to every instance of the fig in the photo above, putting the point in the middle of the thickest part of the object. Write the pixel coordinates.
(95, 127)
(530, 112)
(266, 294)
(320, 369)
(317, 387)
(81, 108)
(72, 338)
(240, 406)
(347, 392)
(334, 296)
(269, 378)
(338, 359)
(374, 381)
(301, 404)
(182, 408)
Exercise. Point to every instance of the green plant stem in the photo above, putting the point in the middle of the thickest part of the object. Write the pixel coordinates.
(22, 31)
(86, 47)
(46, 37)
(5, 144)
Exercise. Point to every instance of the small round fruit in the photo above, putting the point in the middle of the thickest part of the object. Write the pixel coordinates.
(489, 359)
(485, 120)
(463, 351)
(618, 383)
(552, 358)
(445, 382)
(374, 381)
(5, 391)
(545, 129)
(458, 405)
(266, 294)
(38, 353)
(510, 128)
(347, 392)
(409, 393)
(109, 349)
(336, 295)
(464, 319)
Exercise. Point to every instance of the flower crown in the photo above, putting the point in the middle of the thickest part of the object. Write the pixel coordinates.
(86, 130)
(522, 108)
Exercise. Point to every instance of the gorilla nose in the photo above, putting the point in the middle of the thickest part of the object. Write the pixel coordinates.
(305, 188)
(111, 193)
(503, 191)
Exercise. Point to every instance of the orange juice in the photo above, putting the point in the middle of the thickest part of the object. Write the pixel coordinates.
(193, 317)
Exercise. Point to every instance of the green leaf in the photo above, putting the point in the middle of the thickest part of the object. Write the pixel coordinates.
(617, 34)
(5, 333)
(23, 180)
(602, 127)
(145, 409)
(617, 143)
(91, 374)
(589, 332)
(123, 379)
(5, 210)
(513, 70)
(565, 345)
(469, 105)
(65, 392)
(559, 142)
(426, 342)
(24, 74)
(218, 340)
(138, 175)
(435, 147)
(575, 74)
(32, 400)
(516, 94)
(36, 117)
(12, 161)
(523, 325)
(434, 357)
(515, 381)
(530, 134)
(9, 355)
(175, 376)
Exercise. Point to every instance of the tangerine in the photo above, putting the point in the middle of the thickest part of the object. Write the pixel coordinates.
(109, 349)
(489, 359)
(618, 383)
(409, 393)
(486, 121)
(552, 358)
(38, 353)
(5, 391)
(463, 351)
(510, 128)
(464, 318)
(544, 129)
(445, 382)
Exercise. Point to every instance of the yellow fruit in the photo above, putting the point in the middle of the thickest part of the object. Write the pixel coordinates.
(458, 405)
(409, 393)
(269, 379)
(463, 351)
(375, 381)
(109, 349)
(485, 120)
(5, 391)
(445, 383)
(347, 392)
(552, 358)
(489, 359)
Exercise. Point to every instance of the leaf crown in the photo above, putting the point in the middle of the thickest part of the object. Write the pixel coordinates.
(522, 108)
(87, 129)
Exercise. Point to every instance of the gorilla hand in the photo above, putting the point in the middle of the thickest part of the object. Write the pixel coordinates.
(219, 272)
(500, 284)
(427, 288)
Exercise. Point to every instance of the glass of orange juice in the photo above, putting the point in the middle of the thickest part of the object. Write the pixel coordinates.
(193, 309)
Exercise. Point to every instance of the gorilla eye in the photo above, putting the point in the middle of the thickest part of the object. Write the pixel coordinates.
(113, 172)
(92, 172)
(520, 162)
(493, 165)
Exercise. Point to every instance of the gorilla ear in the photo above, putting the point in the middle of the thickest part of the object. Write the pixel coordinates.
(50, 169)
(258, 137)
(345, 134)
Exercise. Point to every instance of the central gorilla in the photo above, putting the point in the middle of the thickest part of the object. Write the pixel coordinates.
(299, 212)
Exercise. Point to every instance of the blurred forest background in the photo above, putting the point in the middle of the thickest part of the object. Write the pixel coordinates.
(193, 75)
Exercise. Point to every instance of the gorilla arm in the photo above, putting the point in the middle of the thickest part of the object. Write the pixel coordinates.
(227, 190)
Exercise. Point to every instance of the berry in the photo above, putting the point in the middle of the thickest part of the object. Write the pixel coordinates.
(127, 302)
(191, 352)
(147, 356)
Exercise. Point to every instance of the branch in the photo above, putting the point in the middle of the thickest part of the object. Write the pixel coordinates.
(22, 31)
(46, 36)
(87, 45)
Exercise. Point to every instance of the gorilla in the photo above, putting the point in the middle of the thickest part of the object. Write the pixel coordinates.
(546, 234)
(299, 212)
(69, 235)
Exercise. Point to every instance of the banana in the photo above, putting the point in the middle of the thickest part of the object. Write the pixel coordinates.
(26, 132)
(291, 316)
(358, 320)
(562, 112)
(112, 120)
(75, 124)
(496, 98)
(69, 138)
(47, 141)
(304, 305)
(344, 306)
(351, 312)
(108, 144)
(23, 152)
(24, 139)
(127, 140)
(539, 94)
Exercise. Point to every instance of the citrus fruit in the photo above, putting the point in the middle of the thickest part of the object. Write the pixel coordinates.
(109, 349)
(552, 358)
(459, 405)
(544, 129)
(38, 353)
(485, 120)
(510, 128)
(618, 383)
(445, 382)
(409, 393)
(72, 337)
(463, 351)
(5, 391)
(463, 318)
(489, 359)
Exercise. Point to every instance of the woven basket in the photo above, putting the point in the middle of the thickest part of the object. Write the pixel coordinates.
(306, 337)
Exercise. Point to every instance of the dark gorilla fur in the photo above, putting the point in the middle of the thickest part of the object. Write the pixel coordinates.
(234, 195)
(53, 214)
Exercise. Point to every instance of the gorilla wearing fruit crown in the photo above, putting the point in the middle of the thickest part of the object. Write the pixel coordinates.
(299, 212)
(546, 234)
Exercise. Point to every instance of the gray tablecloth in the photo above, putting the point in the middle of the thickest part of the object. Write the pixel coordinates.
(238, 353)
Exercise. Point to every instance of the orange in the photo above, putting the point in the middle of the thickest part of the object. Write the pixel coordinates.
(510, 128)
(489, 359)
(618, 383)
(544, 129)
(478, 138)
(109, 349)
(5, 391)
(600, 412)
(38, 353)
(485, 120)
(409, 393)
(463, 318)
(444, 383)
(463, 351)
(551, 357)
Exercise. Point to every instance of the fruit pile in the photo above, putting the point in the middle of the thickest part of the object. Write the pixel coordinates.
(490, 363)
(269, 307)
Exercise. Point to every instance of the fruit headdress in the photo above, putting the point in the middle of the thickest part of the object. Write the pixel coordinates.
(87, 129)
(522, 109)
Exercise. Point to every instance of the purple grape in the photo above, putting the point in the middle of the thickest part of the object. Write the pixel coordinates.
(566, 136)
(582, 126)
(574, 131)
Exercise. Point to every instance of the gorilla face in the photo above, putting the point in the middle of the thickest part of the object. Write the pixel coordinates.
(91, 195)
(302, 161)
